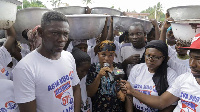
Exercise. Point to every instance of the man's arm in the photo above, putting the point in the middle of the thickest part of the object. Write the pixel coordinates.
(159, 102)
(77, 98)
(28, 107)
(129, 103)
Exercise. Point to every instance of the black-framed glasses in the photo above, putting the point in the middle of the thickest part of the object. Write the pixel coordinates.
(155, 58)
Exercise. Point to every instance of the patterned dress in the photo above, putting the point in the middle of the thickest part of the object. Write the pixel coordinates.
(105, 99)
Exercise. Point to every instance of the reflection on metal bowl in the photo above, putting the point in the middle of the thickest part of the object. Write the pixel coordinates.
(122, 23)
(184, 31)
(105, 10)
(86, 26)
(8, 10)
(184, 12)
(71, 10)
(27, 19)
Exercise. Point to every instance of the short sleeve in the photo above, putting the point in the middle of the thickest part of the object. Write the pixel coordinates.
(76, 79)
(5, 57)
(24, 85)
(176, 86)
(171, 76)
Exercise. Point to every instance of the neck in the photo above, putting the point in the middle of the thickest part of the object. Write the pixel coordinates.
(48, 54)
(198, 79)
(139, 46)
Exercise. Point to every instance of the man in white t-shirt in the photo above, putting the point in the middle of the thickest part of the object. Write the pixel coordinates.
(46, 80)
(185, 89)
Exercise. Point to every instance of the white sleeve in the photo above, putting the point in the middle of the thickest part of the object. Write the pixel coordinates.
(176, 86)
(133, 74)
(179, 68)
(171, 76)
(24, 85)
(5, 57)
(75, 79)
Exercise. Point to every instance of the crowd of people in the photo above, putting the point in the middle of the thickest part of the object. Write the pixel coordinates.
(130, 71)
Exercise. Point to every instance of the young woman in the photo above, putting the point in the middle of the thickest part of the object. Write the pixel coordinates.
(83, 61)
(152, 77)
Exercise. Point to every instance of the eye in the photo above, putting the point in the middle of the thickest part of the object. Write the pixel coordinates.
(66, 34)
(54, 33)
(139, 33)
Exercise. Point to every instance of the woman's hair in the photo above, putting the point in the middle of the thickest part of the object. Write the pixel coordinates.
(160, 76)
(80, 56)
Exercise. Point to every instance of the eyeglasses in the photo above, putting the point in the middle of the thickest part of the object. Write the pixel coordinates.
(155, 58)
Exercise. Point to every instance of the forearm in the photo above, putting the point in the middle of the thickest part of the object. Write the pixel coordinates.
(28, 107)
(129, 103)
(157, 33)
(163, 34)
(77, 98)
(93, 87)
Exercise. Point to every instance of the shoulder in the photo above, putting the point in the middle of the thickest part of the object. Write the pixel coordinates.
(139, 67)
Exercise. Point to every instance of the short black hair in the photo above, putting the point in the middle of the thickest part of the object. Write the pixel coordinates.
(80, 56)
(52, 16)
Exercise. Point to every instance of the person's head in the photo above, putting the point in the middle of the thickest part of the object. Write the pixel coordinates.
(83, 62)
(106, 52)
(156, 56)
(151, 35)
(81, 44)
(54, 32)
(124, 37)
(194, 60)
(170, 37)
(137, 35)
(180, 43)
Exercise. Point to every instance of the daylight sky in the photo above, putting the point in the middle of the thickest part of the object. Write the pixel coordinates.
(137, 5)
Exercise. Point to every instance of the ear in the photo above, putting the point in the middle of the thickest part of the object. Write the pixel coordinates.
(40, 31)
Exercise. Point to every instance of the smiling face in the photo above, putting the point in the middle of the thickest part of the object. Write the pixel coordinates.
(153, 59)
(54, 36)
(137, 36)
(195, 62)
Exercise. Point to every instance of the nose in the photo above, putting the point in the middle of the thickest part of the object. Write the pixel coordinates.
(192, 62)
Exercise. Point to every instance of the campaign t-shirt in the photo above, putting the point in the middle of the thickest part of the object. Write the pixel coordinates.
(188, 90)
(48, 81)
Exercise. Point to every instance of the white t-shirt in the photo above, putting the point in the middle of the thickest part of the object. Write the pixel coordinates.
(5, 59)
(184, 62)
(7, 100)
(141, 79)
(86, 105)
(188, 90)
(24, 50)
(48, 81)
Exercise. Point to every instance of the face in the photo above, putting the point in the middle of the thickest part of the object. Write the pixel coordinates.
(82, 47)
(106, 57)
(180, 51)
(137, 36)
(151, 36)
(195, 62)
(153, 59)
(83, 70)
(54, 36)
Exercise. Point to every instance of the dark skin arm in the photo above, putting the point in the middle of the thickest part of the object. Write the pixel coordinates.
(157, 32)
(110, 31)
(129, 103)
(133, 59)
(159, 102)
(10, 45)
(77, 98)
(28, 107)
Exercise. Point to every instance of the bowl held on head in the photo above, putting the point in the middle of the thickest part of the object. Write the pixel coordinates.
(71, 10)
(105, 10)
(122, 23)
(86, 26)
(8, 10)
(27, 19)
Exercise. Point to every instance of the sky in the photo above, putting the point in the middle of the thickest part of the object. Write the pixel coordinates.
(137, 5)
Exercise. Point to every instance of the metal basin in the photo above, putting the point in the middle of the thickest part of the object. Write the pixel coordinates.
(27, 19)
(122, 23)
(105, 10)
(86, 26)
(184, 12)
(8, 10)
(184, 31)
(71, 10)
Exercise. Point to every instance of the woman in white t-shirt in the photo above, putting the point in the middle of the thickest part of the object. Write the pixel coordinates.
(152, 77)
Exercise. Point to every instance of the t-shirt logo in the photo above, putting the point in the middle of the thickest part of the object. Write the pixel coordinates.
(3, 70)
(11, 105)
(188, 105)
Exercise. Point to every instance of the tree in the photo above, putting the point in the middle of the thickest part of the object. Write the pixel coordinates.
(55, 3)
(27, 4)
(155, 12)
(87, 1)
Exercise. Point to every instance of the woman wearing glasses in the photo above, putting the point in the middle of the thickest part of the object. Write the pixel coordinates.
(152, 77)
